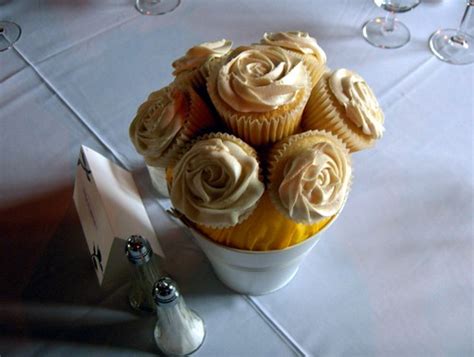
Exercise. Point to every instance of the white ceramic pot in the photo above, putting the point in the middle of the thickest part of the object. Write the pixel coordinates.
(158, 180)
(255, 273)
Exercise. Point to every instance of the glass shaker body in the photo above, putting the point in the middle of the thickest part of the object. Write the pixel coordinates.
(179, 331)
(143, 278)
(147, 269)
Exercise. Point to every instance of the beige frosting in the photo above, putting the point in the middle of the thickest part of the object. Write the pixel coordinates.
(315, 183)
(295, 41)
(260, 78)
(216, 183)
(360, 103)
(197, 55)
(157, 123)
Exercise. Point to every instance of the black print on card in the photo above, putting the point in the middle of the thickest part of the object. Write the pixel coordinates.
(97, 258)
(83, 163)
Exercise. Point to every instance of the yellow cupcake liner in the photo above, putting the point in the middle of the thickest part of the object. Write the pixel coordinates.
(265, 229)
(260, 128)
(323, 112)
(284, 149)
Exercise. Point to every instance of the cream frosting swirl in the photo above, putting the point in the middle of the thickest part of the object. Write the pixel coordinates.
(216, 183)
(157, 123)
(296, 41)
(198, 55)
(315, 183)
(359, 102)
(260, 79)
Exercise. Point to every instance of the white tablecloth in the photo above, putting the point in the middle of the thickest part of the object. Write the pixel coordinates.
(393, 276)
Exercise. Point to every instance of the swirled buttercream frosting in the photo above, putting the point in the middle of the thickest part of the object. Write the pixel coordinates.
(260, 78)
(296, 41)
(198, 55)
(359, 102)
(157, 122)
(216, 183)
(315, 180)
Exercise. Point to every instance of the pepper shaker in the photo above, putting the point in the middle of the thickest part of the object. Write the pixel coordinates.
(147, 270)
(179, 330)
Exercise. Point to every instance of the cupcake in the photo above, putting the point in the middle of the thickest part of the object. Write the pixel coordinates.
(310, 175)
(344, 104)
(304, 46)
(216, 183)
(193, 68)
(309, 179)
(260, 92)
(165, 122)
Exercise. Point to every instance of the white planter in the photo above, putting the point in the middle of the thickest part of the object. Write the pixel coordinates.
(158, 180)
(255, 273)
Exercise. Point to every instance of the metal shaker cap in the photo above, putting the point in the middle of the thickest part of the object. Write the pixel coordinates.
(138, 250)
(165, 292)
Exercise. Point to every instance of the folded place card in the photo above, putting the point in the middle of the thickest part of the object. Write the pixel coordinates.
(110, 209)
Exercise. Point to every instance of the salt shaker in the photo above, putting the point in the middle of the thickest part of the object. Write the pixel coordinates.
(179, 331)
(147, 270)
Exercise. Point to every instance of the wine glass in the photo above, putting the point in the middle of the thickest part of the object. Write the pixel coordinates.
(156, 7)
(456, 46)
(388, 31)
(9, 34)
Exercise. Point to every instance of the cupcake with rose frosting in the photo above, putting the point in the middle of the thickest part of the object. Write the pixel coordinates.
(166, 121)
(344, 104)
(193, 68)
(310, 175)
(284, 174)
(216, 183)
(309, 178)
(260, 92)
(304, 46)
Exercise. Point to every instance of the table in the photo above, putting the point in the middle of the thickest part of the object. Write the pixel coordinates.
(394, 275)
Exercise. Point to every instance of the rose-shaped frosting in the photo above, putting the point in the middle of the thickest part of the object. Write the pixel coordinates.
(360, 103)
(157, 123)
(260, 79)
(216, 183)
(296, 41)
(197, 55)
(315, 182)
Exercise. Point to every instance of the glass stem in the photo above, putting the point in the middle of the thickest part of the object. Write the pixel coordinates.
(4, 38)
(2, 30)
(467, 22)
(389, 23)
(466, 25)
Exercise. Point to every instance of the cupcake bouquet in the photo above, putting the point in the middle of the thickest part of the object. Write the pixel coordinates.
(254, 143)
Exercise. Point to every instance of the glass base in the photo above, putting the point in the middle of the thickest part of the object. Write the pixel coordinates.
(374, 32)
(453, 47)
(156, 7)
(9, 34)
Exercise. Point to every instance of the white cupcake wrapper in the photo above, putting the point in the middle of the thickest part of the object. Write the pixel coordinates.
(263, 128)
(324, 113)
